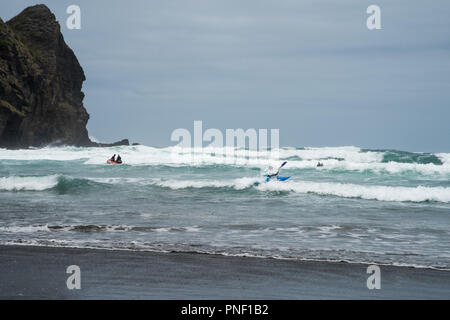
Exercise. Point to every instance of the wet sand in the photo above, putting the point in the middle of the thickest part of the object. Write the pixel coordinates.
(28, 272)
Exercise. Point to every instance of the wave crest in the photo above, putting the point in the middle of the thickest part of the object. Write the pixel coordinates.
(368, 192)
(16, 183)
(60, 183)
(334, 158)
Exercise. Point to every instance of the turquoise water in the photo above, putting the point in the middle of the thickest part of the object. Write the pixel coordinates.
(370, 206)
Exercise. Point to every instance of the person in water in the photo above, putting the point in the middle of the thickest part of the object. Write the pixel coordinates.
(270, 174)
(113, 158)
(319, 164)
(119, 159)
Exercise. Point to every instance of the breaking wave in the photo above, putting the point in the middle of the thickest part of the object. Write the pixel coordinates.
(15, 183)
(91, 228)
(59, 183)
(66, 185)
(334, 158)
(345, 190)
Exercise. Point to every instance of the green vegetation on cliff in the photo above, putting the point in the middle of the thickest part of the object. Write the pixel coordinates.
(12, 109)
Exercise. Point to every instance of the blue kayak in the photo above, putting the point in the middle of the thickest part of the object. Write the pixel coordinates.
(268, 179)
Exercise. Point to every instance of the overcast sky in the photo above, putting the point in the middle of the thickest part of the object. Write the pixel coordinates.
(310, 68)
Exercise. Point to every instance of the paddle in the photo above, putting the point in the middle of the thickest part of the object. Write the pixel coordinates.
(282, 165)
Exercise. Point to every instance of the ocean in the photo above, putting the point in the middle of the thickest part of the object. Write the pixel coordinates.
(385, 207)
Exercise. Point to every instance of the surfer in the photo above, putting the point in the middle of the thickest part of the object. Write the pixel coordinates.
(119, 159)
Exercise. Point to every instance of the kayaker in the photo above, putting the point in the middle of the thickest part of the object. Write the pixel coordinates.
(119, 159)
(270, 173)
(273, 174)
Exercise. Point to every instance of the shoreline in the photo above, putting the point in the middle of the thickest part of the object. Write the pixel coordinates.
(145, 250)
(39, 272)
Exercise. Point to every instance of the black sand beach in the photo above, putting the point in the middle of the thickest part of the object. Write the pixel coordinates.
(40, 273)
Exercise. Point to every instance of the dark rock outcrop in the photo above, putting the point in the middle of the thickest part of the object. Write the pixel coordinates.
(41, 101)
(123, 142)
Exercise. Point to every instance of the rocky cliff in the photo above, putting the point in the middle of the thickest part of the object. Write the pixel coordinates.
(41, 101)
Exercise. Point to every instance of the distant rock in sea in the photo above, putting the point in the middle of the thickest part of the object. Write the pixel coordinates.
(123, 142)
(41, 101)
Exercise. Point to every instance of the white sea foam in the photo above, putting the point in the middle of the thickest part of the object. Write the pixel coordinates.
(171, 229)
(90, 228)
(389, 167)
(238, 184)
(25, 229)
(15, 183)
(351, 154)
(327, 229)
(445, 158)
(334, 158)
(136, 155)
(382, 193)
